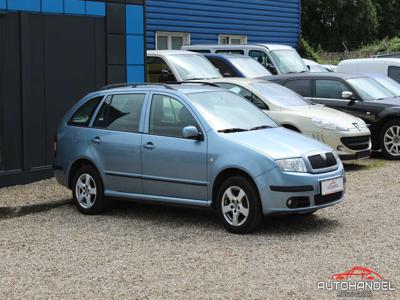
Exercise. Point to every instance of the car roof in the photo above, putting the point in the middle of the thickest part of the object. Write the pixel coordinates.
(238, 80)
(268, 46)
(317, 74)
(185, 88)
(384, 60)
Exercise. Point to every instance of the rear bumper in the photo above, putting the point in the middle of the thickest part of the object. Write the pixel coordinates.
(60, 175)
(276, 188)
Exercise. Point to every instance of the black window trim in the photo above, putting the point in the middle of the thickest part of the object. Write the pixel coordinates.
(148, 115)
(110, 96)
(89, 123)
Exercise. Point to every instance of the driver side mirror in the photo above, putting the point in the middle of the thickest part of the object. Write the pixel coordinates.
(166, 76)
(348, 95)
(191, 132)
(272, 69)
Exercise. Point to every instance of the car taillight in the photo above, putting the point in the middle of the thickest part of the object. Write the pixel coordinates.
(55, 145)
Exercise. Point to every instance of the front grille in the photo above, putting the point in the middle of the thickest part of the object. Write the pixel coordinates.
(320, 200)
(356, 143)
(318, 162)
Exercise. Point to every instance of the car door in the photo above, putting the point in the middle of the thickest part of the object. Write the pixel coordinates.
(115, 139)
(329, 92)
(173, 166)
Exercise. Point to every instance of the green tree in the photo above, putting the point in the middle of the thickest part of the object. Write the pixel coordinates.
(388, 12)
(330, 23)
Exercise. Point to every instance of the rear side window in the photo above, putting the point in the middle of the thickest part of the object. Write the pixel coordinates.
(168, 117)
(261, 57)
(301, 87)
(121, 113)
(394, 73)
(329, 89)
(84, 113)
(222, 67)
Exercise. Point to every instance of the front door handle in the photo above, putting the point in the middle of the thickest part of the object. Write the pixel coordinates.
(96, 140)
(149, 146)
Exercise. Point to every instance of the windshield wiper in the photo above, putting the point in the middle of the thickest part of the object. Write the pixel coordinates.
(230, 130)
(260, 127)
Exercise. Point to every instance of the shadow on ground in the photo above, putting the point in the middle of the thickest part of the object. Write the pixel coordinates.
(170, 216)
(376, 160)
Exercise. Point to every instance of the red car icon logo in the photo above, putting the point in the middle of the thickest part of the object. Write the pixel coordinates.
(359, 272)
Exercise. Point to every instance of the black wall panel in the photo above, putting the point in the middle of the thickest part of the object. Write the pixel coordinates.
(10, 92)
(47, 63)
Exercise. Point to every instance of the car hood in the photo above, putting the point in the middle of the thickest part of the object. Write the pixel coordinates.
(323, 112)
(388, 101)
(277, 142)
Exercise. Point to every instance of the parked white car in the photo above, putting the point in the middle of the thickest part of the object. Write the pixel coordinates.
(177, 65)
(292, 111)
(385, 66)
(278, 59)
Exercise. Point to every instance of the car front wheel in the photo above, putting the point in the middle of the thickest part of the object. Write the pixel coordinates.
(238, 205)
(88, 191)
(390, 140)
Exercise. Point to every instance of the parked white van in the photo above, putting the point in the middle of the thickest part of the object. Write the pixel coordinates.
(385, 66)
(278, 59)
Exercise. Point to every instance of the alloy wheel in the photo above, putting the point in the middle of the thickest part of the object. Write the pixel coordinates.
(86, 191)
(392, 140)
(235, 206)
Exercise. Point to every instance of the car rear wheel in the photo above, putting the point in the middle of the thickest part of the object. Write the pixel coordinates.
(88, 191)
(238, 205)
(390, 140)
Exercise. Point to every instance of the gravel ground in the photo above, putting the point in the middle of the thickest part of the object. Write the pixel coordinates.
(38, 192)
(143, 251)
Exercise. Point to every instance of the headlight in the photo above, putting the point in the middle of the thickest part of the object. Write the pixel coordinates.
(361, 123)
(292, 165)
(328, 125)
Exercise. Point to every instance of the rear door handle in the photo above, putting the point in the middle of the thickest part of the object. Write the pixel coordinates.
(96, 140)
(149, 146)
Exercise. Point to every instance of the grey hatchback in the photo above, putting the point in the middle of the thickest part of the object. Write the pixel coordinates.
(191, 144)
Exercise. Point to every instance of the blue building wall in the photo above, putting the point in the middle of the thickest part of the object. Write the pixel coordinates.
(133, 31)
(262, 21)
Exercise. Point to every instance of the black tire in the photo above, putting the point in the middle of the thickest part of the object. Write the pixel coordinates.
(252, 201)
(395, 123)
(99, 202)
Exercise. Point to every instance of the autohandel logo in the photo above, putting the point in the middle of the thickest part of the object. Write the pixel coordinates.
(356, 282)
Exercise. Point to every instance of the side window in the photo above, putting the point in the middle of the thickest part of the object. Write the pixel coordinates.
(301, 87)
(84, 113)
(394, 73)
(121, 113)
(329, 89)
(222, 66)
(261, 57)
(158, 70)
(168, 117)
(245, 94)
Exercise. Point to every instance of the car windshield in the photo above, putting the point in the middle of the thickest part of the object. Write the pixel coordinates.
(369, 89)
(289, 61)
(389, 84)
(249, 67)
(193, 66)
(279, 95)
(226, 111)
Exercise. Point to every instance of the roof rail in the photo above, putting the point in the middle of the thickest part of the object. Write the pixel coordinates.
(195, 82)
(134, 85)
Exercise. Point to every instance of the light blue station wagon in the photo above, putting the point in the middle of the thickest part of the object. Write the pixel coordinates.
(191, 144)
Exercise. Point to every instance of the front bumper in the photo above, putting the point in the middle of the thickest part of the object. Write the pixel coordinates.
(277, 187)
(345, 151)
